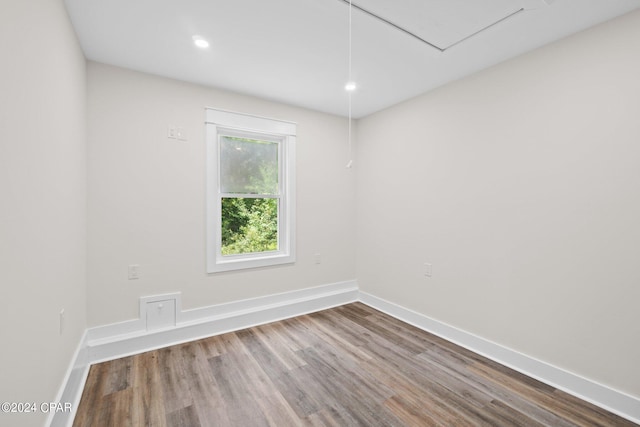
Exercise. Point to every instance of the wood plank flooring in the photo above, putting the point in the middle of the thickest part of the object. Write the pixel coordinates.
(347, 366)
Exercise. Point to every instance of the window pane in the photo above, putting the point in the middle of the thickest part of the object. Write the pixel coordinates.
(248, 166)
(249, 225)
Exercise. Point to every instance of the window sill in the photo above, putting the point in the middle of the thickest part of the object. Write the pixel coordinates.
(254, 262)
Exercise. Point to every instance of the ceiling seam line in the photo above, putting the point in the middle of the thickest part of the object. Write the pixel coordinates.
(485, 28)
(404, 30)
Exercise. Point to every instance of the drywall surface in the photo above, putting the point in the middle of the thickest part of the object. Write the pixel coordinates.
(43, 205)
(147, 196)
(521, 186)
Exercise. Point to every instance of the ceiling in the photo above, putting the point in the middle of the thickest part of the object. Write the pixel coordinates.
(297, 51)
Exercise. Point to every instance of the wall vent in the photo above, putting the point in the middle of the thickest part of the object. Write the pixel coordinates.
(159, 311)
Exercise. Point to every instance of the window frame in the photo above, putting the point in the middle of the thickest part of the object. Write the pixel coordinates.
(255, 127)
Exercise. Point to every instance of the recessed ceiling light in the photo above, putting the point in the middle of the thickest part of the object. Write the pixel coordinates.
(200, 42)
(350, 87)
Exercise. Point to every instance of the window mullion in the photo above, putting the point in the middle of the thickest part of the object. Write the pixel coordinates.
(249, 196)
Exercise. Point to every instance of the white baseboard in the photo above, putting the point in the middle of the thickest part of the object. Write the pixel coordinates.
(127, 338)
(72, 386)
(612, 400)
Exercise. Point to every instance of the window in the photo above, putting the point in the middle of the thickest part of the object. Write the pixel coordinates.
(250, 191)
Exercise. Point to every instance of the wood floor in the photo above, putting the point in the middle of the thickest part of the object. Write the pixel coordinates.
(347, 366)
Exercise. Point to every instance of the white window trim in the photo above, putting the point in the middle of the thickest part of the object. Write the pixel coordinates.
(282, 130)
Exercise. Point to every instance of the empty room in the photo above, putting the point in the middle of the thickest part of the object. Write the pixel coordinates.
(320, 213)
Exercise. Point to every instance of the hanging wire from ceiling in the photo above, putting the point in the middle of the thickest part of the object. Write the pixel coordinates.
(350, 87)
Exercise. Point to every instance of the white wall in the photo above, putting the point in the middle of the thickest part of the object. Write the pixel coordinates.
(521, 185)
(147, 196)
(43, 202)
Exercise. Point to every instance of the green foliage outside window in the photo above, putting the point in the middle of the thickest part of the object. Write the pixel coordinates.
(249, 224)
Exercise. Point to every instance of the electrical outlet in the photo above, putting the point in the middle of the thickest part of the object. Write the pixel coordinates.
(172, 132)
(134, 272)
(428, 269)
(317, 258)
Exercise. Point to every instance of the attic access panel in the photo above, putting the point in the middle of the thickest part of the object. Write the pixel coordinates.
(442, 23)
